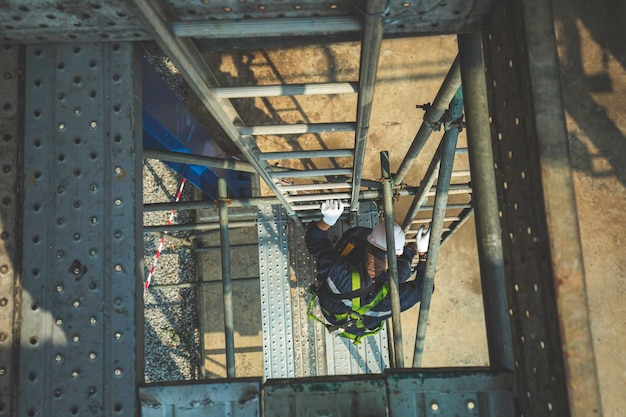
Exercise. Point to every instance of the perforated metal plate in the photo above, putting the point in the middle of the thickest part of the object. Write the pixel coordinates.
(70, 21)
(233, 399)
(308, 336)
(278, 353)
(541, 241)
(80, 260)
(363, 396)
(10, 195)
(450, 392)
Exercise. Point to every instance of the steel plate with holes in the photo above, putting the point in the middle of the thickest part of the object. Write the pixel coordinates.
(10, 228)
(541, 243)
(278, 355)
(461, 392)
(66, 21)
(308, 336)
(80, 261)
(363, 396)
(232, 398)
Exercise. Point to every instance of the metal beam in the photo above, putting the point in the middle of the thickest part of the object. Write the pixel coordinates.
(394, 290)
(485, 201)
(370, 52)
(227, 289)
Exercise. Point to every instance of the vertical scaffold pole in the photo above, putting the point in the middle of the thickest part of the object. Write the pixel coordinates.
(449, 140)
(229, 326)
(393, 262)
(485, 200)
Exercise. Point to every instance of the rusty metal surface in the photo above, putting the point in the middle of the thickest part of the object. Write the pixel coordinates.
(240, 398)
(10, 223)
(554, 358)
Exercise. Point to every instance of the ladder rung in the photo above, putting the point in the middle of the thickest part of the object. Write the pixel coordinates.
(285, 90)
(461, 151)
(315, 187)
(325, 153)
(317, 197)
(296, 129)
(304, 207)
(309, 173)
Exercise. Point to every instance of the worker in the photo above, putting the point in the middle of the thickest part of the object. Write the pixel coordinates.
(352, 277)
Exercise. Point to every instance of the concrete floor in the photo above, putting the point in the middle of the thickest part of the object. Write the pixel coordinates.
(593, 59)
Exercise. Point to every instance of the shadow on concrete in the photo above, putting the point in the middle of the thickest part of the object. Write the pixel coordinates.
(604, 22)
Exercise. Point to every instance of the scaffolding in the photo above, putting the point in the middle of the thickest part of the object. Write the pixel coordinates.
(71, 206)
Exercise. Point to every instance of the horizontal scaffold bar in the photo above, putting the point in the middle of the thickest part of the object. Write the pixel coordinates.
(296, 129)
(315, 187)
(323, 153)
(310, 173)
(191, 159)
(285, 90)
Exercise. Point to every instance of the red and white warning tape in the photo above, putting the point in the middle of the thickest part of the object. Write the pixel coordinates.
(158, 253)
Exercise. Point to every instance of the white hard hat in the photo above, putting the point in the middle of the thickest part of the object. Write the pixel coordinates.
(378, 238)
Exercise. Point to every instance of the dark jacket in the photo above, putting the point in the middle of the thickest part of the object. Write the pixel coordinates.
(335, 274)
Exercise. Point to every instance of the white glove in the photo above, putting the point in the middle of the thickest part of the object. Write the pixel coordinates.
(331, 211)
(422, 240)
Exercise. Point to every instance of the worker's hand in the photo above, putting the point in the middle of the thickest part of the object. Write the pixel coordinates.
(422, 240)
(331, 211)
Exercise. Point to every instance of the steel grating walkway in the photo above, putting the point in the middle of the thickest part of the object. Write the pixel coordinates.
(293, 344)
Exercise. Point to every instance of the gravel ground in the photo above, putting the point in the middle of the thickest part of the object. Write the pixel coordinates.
(171, 320)
(171, 317)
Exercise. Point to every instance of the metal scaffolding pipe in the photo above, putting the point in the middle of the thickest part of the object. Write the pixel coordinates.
(323, 153)
(439, 213)
(427, 183)
(488, 231)
(370, 52)
(199, 284)
(201, 160)
(294, 173)
(285, 90)
(229, 321)
(316, 186)
(296, 129)
(192, 227)
(257, 201)
(398, 351)
(432, 118)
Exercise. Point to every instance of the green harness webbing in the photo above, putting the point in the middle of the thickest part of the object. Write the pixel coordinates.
(354, 316)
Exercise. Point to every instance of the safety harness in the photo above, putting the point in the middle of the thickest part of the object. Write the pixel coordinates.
(351, 240)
